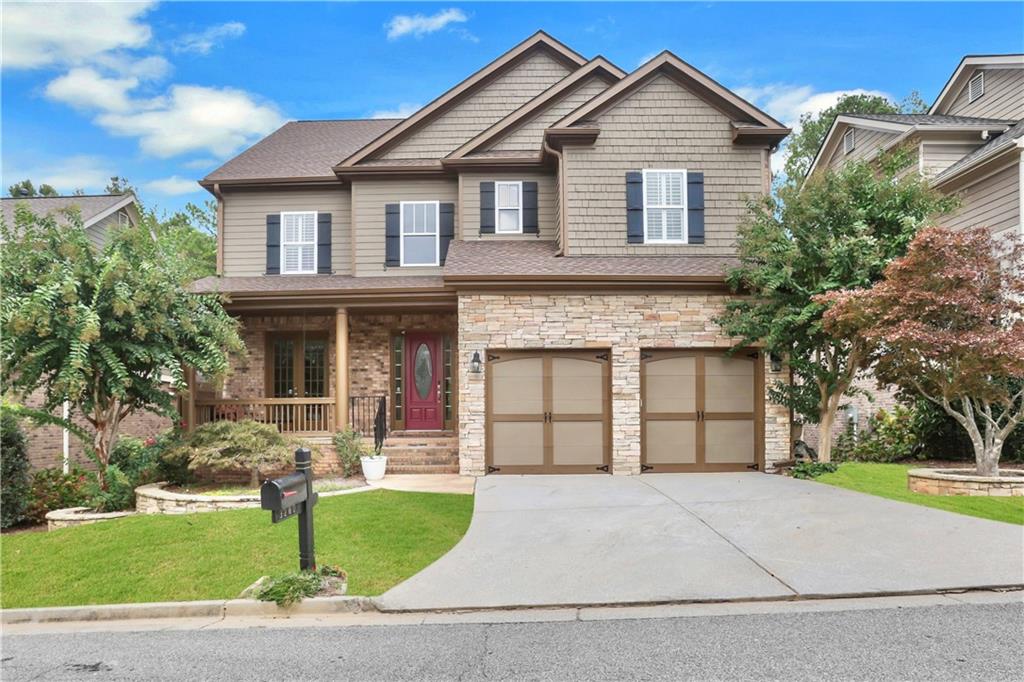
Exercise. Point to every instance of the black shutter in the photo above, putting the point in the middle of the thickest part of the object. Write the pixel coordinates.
(634, 207)
(392, 236)
(695, 207)
(447, 231)
(486, 208)
(274, 244)
(530, 225)
(323, 243)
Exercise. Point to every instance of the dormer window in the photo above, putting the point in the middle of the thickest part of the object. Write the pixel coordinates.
(849, 141)
(976, 87)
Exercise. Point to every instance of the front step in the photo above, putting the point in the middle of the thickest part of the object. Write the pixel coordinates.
(422, 452)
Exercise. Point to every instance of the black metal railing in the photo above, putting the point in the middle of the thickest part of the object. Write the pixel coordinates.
(362, 412)
(380, 424)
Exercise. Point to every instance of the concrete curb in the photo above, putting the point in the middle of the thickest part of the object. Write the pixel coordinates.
(220, 608)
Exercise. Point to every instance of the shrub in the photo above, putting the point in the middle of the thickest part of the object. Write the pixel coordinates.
(229, 446)
(813, 469)
(118, 495)
(941, 437)
(135, 460)
(14, 476)
(888, 437)
(350, 447)
(285, 590)
(53, 489)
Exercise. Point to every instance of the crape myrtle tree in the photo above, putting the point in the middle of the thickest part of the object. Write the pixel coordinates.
(100, 328)
(838, 231)
(947, 322)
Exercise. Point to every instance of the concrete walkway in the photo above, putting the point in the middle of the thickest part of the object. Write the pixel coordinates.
(427, 483)
(572, 540)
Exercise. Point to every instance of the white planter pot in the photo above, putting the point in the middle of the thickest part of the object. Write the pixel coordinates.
(374, 467)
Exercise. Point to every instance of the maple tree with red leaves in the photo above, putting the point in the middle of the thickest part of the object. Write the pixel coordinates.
(947, 322)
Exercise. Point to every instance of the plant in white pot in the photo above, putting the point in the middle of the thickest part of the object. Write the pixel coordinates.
(351, 448)
(374, 465)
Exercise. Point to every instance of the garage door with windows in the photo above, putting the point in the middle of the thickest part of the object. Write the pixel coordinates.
(548, 412)
(701, 410)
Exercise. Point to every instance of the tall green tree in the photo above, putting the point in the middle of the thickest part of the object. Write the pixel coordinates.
(187, 237)
(839, 231)
(99, 329)
(804, 143)
(25, 188)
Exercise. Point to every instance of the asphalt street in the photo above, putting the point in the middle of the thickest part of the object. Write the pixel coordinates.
(962, 642)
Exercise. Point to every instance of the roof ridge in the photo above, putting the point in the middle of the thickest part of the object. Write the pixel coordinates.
(70, 196)
(347, 120)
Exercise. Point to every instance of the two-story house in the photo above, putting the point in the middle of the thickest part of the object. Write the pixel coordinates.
(521, 277)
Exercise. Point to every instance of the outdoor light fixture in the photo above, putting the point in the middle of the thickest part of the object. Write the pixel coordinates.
(475, 364)
(776, 362)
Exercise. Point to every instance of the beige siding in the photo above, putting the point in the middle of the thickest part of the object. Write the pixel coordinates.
(529, 135)
(368, 200)
(866, 143)
(993, 203)
(245, 225)
(470, 223)
(1003, 98)
(937, 157)
(481, 110)
(663, 125)
(558, 206)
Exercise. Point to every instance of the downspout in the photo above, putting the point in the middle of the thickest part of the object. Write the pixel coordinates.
(66, 438)
(563, 232)
(220, 228)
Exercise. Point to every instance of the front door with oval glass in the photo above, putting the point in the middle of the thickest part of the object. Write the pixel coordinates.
(423, 372)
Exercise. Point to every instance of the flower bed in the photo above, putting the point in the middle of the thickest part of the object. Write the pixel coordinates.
(79, 516)
(1010, 482)
(155, 498)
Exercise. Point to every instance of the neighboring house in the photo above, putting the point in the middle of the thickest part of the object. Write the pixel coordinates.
(969, 144)
(521, 277)
(52, 446)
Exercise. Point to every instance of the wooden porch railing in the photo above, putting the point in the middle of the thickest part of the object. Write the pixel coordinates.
(290, 415)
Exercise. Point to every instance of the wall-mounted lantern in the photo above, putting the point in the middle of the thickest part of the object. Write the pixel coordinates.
(776, 362)
(475, 365)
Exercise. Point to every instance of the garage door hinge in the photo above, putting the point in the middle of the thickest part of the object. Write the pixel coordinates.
(492, 469)
(752, 466)
(601, 356)
(491, 357)
(646, 356)
(603, 468)
(646, 467)
(752, 355)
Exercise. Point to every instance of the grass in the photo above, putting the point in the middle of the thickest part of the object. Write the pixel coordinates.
(380, 538)
(320, 486)
(890, 480)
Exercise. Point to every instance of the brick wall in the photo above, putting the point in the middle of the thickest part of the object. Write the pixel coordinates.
(865, 404)
(624, 323)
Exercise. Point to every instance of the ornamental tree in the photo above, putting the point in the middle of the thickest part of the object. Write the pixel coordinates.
(838, 231)
(100, 328)
(947, 322)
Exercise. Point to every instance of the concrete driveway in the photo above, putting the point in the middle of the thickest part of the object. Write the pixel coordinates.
(567, 540)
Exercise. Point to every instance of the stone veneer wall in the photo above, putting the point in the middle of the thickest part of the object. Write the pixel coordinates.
(625, 323)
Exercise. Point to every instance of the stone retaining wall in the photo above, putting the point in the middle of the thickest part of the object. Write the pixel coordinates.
(79, 516)
(958, 482)
(153, 499)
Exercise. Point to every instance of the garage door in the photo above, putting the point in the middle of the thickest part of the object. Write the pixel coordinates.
(701, 410)
(548, 412)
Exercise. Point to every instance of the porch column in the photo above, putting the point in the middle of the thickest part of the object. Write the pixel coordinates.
(340, 368)
(190, 399)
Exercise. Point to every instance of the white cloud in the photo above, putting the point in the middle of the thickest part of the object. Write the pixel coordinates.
(85, 88)
(89, 173)
(419, 25)
(200, 163)
(403, 110)
(194, 118)
(40, 34)
(172, 186)
(204, 41)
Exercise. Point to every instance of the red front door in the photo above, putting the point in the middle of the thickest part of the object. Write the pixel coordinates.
(423, 381)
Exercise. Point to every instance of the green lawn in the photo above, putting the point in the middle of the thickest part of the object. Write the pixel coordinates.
(380, 537)
(890, 480)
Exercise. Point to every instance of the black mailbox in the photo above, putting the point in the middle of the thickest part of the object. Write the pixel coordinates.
(293, 494)
(281, 493)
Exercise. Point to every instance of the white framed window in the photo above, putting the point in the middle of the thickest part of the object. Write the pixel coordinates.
(298, 242)
(419, 229)
(123, 220)
(665, 207)
(508, 207)
(849, 140)
(976, 87)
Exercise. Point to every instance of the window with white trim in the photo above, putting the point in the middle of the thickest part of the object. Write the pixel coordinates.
(976, 87)
(419, 222)
(123, 220)
(298, 242)
(508, 207)
(664, 206)
(849, 140)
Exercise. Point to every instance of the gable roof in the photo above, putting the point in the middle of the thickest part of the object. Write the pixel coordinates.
(930, 119)
(92, 207)
(538, 41)
(693, 79)
(988, 150)
(965, 69)
(597, 67)
(300, 149)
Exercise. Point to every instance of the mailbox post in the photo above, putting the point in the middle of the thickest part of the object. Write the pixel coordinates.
(293, 494)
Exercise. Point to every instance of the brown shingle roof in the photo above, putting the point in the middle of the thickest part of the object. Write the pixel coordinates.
(493, 259)
(301, 283)
(88, 205)
(302, 149)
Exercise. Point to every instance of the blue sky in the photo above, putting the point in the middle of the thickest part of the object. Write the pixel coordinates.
(162, 93)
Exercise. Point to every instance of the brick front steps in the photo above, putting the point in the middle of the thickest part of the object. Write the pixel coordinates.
(422, 452)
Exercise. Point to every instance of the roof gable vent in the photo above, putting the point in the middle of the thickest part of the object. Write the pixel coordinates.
(849, 141)
(976, 87)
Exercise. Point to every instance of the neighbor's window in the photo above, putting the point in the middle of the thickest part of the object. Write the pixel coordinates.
(508, 207)
(849, 141)
(123, 220)
(665, 206)
(419, 232)
(976, 87)
(298, 242)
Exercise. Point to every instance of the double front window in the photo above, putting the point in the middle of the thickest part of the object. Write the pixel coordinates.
(508, 207)
(419, 231)
(298, 242)
(665, 206)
